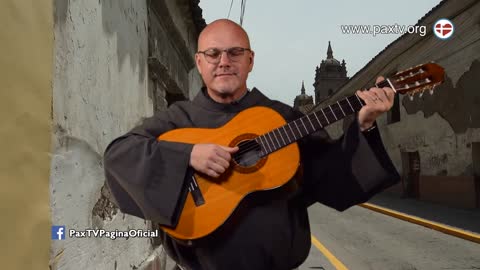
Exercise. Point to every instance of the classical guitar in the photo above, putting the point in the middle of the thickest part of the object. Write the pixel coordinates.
(268, 155)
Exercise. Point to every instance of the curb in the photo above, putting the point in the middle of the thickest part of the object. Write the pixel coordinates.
(474, 237)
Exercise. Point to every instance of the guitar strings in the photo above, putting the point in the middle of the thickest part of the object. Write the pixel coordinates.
(336, 110)
(252, 144)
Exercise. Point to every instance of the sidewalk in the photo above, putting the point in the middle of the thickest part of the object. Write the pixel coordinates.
(463, 219)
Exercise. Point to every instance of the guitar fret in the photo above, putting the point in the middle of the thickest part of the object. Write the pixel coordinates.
(284, 143)
(297, 128)
(301, 120)
(333, 112)
(325, 116)
(350, 105)
(313, 128)
(266, 141)
(290, 140)
(293, 133)
(318, 119)
(275, 136)
(358, 99)
(273, 143)
(341, 108)
(264, 144)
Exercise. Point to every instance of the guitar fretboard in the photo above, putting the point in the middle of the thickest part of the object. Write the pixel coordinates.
(308, 124)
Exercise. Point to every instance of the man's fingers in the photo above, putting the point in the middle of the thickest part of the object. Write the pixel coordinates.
(379, 79)
(216, 167)
(223, 162)
(390, 94)
(222, 154)
(231, 150)
(367, 97)
(225, 152)
(380, 93)
(212, 173)
(362, 95)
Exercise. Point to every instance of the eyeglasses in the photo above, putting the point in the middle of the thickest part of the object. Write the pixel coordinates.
(234, 54)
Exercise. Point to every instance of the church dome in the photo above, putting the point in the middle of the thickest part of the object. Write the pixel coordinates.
(303, 98)
(332, 62)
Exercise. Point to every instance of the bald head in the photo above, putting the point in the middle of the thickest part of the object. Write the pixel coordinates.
(220, 31)
(230, 60)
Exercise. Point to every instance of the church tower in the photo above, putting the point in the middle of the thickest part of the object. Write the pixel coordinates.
(329, 76)
(303, 101)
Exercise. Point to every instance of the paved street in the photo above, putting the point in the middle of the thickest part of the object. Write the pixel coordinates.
(362, 239)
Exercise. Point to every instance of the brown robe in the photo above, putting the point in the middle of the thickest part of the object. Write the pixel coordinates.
(147, 180)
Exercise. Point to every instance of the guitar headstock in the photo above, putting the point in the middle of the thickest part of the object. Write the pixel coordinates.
(418, 79)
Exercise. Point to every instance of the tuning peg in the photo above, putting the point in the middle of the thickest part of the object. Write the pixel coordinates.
(411, 97)
(431, 91)
(421, 94)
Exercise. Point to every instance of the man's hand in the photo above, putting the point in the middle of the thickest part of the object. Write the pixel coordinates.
(378, 101)
(211, 159)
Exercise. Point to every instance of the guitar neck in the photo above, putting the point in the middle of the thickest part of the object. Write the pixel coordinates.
(308, 124)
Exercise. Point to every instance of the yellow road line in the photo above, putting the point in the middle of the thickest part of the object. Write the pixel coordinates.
(333, 260)
(426, 223)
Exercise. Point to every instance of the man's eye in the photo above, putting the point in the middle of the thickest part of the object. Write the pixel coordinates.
(236, 51)
(212, 53)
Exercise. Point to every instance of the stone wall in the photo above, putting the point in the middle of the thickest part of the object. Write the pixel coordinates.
(106, 79)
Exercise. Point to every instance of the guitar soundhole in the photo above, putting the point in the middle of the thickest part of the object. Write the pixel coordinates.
(248, 153)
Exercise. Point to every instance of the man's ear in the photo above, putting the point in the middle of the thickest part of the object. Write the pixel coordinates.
(197, 62)
(252, 57)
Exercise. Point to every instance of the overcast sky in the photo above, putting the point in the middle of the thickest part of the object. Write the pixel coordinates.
(290, 38)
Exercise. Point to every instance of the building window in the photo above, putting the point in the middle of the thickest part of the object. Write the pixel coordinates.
(393, 115)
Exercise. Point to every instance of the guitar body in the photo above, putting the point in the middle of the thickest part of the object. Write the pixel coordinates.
(224, 194)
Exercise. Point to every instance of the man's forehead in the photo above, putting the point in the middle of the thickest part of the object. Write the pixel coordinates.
(223, 34)
(222, 44)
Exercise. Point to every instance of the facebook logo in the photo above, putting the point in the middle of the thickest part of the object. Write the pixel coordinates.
(58, 232)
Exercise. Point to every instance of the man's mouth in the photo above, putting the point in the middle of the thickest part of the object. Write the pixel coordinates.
(224, 74)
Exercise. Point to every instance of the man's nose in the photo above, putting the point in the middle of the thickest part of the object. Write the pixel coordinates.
(224, 59)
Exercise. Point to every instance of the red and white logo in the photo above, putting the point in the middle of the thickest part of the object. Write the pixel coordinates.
(443, 28)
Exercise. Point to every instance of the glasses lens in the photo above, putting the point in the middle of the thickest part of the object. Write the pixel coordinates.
(212, 55)
(234, 54)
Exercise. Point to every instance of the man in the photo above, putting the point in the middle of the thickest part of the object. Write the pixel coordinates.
(147, 177)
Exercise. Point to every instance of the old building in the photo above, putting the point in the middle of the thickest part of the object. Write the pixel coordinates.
(303, 102)
(436, 137)
(329, 77)
(115, 62)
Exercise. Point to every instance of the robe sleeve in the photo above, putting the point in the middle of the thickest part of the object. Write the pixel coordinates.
(146, 177)
(347, 171)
